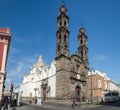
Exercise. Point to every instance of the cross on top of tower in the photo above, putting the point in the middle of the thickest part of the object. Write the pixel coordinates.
(63, 2)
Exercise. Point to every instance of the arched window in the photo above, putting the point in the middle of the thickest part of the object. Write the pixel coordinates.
(60, 23)
(6, 38)
(59, 38)
(64, 23)
(84, 41)
(81, 42)
(58, 47)
(65, 38)
(99, 84)
(66, 46)
(81, 53)
(77, 90)
(85, 53)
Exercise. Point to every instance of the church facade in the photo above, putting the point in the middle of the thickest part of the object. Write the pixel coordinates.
(71, 70)
(39, 82)
(66, 78)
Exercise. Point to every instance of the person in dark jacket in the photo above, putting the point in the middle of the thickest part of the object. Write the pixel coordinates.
(74, 105)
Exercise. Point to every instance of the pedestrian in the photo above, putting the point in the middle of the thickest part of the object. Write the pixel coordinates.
(6, 105)
(13, 105)
(88, 101)
(2, 105)
(74, 105)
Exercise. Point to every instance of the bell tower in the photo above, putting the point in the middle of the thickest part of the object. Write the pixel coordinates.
(82, 45)
(62, 34)
(62, 55)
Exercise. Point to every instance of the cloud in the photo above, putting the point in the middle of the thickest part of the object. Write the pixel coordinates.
(17, 69)
(29, 60)
(15, 73)
(14, 50)
(18, 39)
(12, 53)
(100, 57)
(39, 38)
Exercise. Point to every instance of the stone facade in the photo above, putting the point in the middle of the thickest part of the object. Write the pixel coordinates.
(71, 70)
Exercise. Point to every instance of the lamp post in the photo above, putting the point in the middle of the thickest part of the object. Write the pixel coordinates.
(11, 91)
(91, 85)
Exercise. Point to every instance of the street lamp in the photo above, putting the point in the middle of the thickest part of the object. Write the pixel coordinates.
(91, 84)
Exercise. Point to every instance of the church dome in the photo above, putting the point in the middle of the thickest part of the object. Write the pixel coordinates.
(63, 9)
(40, 62)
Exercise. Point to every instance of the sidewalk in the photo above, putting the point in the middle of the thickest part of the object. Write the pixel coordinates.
(58, 107)
(81, 107)
(16, 108)
(65, 107)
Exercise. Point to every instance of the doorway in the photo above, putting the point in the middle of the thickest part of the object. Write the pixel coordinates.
(77, 93)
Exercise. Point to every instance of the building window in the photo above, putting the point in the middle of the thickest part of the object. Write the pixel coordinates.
(32, 79)
(60, 23)
(82, 54)
(83, 75)
(58, 47)
(81, 42)
(65, 46)
(64, 23)
(78, 76)
(6, 38)
(30, 94)
(65, 38)
(99, 83)
(85, 42)
(59, 38)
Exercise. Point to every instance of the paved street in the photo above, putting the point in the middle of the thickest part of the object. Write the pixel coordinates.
(49, 107)
(108, 106)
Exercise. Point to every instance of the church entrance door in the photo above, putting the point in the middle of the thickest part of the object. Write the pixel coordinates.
(77, 92)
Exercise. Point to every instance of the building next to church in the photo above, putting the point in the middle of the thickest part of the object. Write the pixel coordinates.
(98, 84)
(5, 38)
(40, 82)
(66, 78)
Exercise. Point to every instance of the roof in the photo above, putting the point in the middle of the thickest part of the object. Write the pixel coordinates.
(4, 30)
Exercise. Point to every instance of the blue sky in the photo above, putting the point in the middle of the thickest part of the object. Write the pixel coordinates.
(33, 25)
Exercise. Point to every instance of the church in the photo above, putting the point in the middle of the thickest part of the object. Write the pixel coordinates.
(71, 70)
(66, 77)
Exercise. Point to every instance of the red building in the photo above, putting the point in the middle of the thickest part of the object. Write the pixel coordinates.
(5, 38)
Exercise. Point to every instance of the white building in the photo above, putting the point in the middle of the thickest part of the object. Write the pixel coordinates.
(113, 86)
(40, 81)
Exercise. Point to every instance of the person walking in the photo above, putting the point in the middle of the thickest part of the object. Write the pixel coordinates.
(74, 105)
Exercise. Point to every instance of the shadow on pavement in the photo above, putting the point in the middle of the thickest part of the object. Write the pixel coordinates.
(115, 103)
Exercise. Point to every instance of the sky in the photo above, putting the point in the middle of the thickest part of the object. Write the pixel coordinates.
(33, 24)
